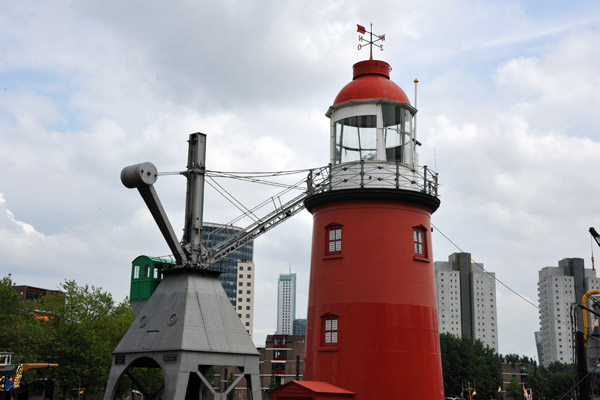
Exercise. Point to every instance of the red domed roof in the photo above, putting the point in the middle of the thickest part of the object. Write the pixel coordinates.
(371, 81)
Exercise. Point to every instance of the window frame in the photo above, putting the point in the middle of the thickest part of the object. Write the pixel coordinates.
(330, 324)
(419, 238)
(338, 229)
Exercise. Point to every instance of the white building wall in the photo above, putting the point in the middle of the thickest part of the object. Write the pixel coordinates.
(556, 295)
(484, 313)
(483, 306)
(286, 303)
(447, 284)
(245, 295)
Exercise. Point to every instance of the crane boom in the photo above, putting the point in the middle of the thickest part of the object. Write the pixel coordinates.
(315, 181)
(595, 235)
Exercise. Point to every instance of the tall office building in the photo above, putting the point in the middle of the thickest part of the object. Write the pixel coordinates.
(286, 303)
(466, 299)
(558, 289)
(237, 271)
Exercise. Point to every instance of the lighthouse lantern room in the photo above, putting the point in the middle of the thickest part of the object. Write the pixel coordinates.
(372, 320)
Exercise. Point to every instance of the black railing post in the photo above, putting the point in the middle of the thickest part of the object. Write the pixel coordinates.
(362, 174)
(397, 174)
(425, 178)
(329, 176)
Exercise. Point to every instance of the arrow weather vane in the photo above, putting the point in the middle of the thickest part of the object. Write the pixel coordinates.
(361, 29)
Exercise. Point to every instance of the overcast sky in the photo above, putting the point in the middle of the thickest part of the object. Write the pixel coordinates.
(507, 99)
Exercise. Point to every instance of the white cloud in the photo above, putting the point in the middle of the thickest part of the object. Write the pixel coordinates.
(507, 101)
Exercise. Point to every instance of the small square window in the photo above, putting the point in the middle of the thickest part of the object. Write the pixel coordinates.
(419, 241)
(334, 239)
(330, 331)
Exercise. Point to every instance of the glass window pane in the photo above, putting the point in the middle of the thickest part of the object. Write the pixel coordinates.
(331, 247)
(338, 245)
(334, 324)
(327, 324)
(327, 337)
(355, 139)
(333, 337)
(332, 234)
(338, 234)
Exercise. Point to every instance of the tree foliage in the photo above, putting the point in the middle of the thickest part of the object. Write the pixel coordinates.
(514, 390)
(515, 359)
(79, 329)
(464, 359)
(551, 382)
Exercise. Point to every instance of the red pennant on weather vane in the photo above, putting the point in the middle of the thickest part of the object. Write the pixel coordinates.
(361, 29)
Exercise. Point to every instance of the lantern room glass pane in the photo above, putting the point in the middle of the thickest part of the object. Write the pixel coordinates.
(355, 139)
(397, 130)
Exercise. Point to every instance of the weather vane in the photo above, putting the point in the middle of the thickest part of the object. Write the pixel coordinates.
(361, 29)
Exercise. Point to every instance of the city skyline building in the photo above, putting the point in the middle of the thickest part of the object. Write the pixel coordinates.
(286, 303)
(299, 326)
(466, 299)
(237, 271)
(558, 289)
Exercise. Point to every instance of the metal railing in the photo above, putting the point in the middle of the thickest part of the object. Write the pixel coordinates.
(372, 174)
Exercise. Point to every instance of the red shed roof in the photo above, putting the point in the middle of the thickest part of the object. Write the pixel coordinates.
(371, 81)
(313, 386)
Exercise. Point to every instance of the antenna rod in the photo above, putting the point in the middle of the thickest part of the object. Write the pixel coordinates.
(415, 127)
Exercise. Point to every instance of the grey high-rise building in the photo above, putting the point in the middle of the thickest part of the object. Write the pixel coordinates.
(299, 327)
(237, 271)
(286, 303)
(559, 288)
(466, 299)
(538, 345)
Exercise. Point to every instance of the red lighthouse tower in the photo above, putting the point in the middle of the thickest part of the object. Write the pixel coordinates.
(372, 322)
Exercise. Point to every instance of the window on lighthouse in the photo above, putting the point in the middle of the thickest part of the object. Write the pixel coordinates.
(334, 239)
(419, 241)
(397, 130)
(356, 139)
(330, 331)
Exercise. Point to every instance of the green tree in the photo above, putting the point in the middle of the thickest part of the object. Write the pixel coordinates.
(552, 382)
(514, 390)
(464, 359)
(9, 315)
(81, 328)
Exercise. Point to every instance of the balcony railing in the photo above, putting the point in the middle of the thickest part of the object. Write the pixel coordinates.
(372, 174)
